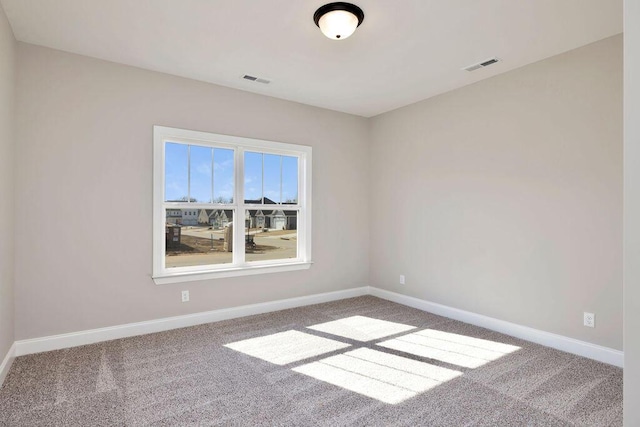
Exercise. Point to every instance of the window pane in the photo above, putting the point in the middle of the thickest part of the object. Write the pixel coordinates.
(176, 172)
(272, 178)
(200, 173)
(252, 177)
(198, 237)
(271, 234)
(289, 179)
(223, 175)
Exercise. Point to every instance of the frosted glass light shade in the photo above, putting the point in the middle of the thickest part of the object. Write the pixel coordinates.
(338, 20)
(338, 24)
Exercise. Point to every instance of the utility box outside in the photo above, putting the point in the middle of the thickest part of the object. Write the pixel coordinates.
(173, 236)
(228, 239)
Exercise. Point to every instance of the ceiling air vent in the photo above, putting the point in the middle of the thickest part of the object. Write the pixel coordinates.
(256, 79)
(482, 64)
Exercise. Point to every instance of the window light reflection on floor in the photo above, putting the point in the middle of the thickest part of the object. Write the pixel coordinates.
(286, 347)
(389, 378)
(450, 348)
(385, 377)
(362, 328)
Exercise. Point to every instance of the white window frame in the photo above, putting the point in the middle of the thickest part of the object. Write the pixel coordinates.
(238, 267)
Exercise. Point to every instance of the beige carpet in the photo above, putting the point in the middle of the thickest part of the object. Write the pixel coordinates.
(362, 361)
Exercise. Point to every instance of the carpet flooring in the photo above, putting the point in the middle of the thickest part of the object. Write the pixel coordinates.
(356, 362)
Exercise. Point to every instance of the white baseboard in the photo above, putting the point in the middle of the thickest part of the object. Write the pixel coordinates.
(75, 339)
(6, 363)
(559, 342)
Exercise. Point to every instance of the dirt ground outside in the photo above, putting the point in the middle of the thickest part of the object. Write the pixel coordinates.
(205, 246)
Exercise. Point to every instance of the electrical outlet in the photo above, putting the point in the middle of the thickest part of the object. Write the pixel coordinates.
(402, 279)
(185, 296)
(589, 320)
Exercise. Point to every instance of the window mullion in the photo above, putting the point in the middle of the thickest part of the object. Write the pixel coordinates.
(188, 173)
(212, 173)
(281, 201)
(302, 216)
(238, 233)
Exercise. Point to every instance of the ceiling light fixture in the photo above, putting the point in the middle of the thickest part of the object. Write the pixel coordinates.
(338, 20)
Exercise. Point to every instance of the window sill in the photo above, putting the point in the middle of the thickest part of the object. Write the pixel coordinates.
(230, 272)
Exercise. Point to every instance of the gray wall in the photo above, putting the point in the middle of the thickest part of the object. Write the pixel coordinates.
(83, 192)
(632, 213)
(504, 198)
(7, 90)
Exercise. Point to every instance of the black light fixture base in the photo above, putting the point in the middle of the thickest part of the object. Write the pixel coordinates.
(352, 8)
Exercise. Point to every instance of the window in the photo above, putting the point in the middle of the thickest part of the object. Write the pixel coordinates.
(228, 206)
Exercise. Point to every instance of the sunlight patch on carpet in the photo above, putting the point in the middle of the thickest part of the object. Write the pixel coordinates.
(450, 348)
(388, 378)
(362, 328)
(286, 347)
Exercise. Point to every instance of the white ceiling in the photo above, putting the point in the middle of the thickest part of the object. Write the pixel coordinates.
(405, 50)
